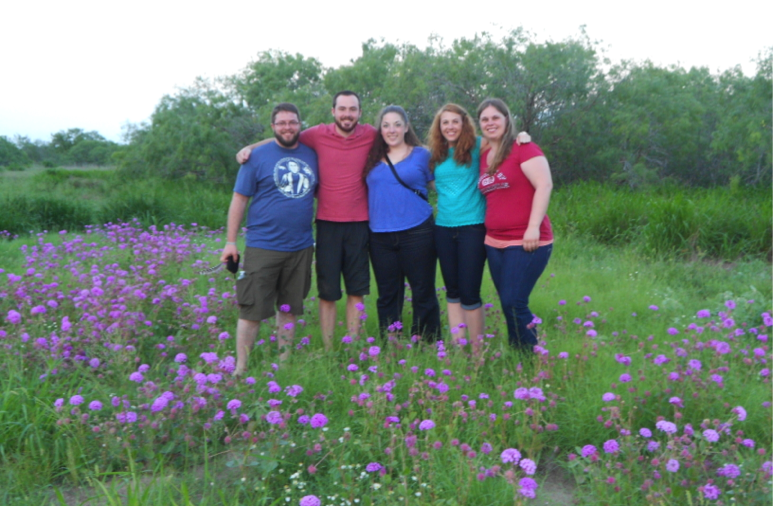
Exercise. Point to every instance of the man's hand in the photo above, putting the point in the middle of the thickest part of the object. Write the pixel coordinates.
(230, 251)
(521, 138)
(244, 155)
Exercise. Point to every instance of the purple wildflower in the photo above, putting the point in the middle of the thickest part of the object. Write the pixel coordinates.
(426, 424)
(666, 427)
(528, 466)
(611, 446)
(711, 492)
(318, 420)
(373, 467)
(310, 500)
(274, 417)
(731, 471)
(510, 456)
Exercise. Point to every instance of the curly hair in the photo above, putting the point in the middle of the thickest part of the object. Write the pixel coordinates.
(508, 138)
(438, 145)
(380, 148)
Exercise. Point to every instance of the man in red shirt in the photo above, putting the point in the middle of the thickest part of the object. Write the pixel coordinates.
(342, 211)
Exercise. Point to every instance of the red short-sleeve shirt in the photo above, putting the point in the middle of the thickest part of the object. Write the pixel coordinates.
(342, 195)
(509, 196)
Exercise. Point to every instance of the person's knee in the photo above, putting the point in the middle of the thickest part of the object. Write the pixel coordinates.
(471, 304)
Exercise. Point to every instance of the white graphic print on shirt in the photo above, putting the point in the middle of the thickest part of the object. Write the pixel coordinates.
(293, 177)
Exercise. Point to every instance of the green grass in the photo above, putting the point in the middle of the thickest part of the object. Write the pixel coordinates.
(45, 461)
(680, 250)
(723, 223)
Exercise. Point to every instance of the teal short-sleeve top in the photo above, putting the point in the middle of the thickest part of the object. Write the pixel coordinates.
(459, 200)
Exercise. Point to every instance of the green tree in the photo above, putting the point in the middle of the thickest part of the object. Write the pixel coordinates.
(11, 155)
(655, 121)
(281, 77)
(743, 133)
(193, 133)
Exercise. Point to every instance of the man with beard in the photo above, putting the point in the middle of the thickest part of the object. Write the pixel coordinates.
(342, 211)
(276, 275)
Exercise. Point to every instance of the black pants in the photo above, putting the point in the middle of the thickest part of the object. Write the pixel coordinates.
(462, 256)
(409, 254)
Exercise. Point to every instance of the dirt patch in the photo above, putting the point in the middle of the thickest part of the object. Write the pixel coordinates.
(557, 487)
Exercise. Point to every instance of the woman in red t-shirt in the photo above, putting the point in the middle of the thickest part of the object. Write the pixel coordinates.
(516, 181)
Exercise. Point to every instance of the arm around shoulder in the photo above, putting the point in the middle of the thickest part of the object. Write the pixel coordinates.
(244, 154)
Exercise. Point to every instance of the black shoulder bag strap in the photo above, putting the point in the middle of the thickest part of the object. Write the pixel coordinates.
(399, 180)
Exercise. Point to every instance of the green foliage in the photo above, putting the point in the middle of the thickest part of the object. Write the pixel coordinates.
(22, 213)
(193, 134)
(743, 133)
(11, 156)
(78, 147)
(719, 223)
(280, 77)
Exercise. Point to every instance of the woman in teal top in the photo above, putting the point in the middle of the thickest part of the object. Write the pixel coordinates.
(459, 229)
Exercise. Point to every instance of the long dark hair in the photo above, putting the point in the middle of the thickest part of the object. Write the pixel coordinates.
(380, 148)
(438, 146)
(508, 138)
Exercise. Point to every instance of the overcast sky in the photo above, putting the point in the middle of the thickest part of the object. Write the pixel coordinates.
(97, 65)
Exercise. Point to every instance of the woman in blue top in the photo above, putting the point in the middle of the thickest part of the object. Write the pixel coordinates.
(401, 224)
(461, 212)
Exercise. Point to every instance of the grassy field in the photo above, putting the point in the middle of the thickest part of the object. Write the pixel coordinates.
(721, 224)
(116, 359)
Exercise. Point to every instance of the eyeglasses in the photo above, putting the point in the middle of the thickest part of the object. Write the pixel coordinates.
(283, 124)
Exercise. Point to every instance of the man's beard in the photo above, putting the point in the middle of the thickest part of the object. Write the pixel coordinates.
(340, 126)
(287, 144)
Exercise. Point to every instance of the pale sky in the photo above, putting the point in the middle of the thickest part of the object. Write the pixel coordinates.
(97, 65)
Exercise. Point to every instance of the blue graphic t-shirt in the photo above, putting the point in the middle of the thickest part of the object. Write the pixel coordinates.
(281, 183)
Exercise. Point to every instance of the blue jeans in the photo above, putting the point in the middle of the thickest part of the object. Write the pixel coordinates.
(462, 256)
(409, 254)
(515, 273)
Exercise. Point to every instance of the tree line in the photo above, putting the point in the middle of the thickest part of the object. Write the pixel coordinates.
(637, 124)
(72, 147)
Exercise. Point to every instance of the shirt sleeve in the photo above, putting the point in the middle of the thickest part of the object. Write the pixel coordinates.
(528, 151)
(309, 136)
(425, 156)
(246, 183)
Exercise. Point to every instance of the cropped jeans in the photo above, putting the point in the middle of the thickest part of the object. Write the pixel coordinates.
(462, 256)
(409, 254)
(515, 273)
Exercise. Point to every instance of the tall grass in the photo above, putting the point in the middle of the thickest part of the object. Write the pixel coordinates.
(724, 223)
(55, 199)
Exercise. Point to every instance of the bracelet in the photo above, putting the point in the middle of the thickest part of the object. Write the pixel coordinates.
(230, 243)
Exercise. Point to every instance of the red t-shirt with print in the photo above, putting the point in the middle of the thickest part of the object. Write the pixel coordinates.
(509, 195)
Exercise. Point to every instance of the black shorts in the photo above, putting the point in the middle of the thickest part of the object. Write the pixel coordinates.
(342, 248)
(271, 279)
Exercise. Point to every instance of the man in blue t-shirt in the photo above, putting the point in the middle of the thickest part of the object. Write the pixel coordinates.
(278, 181)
